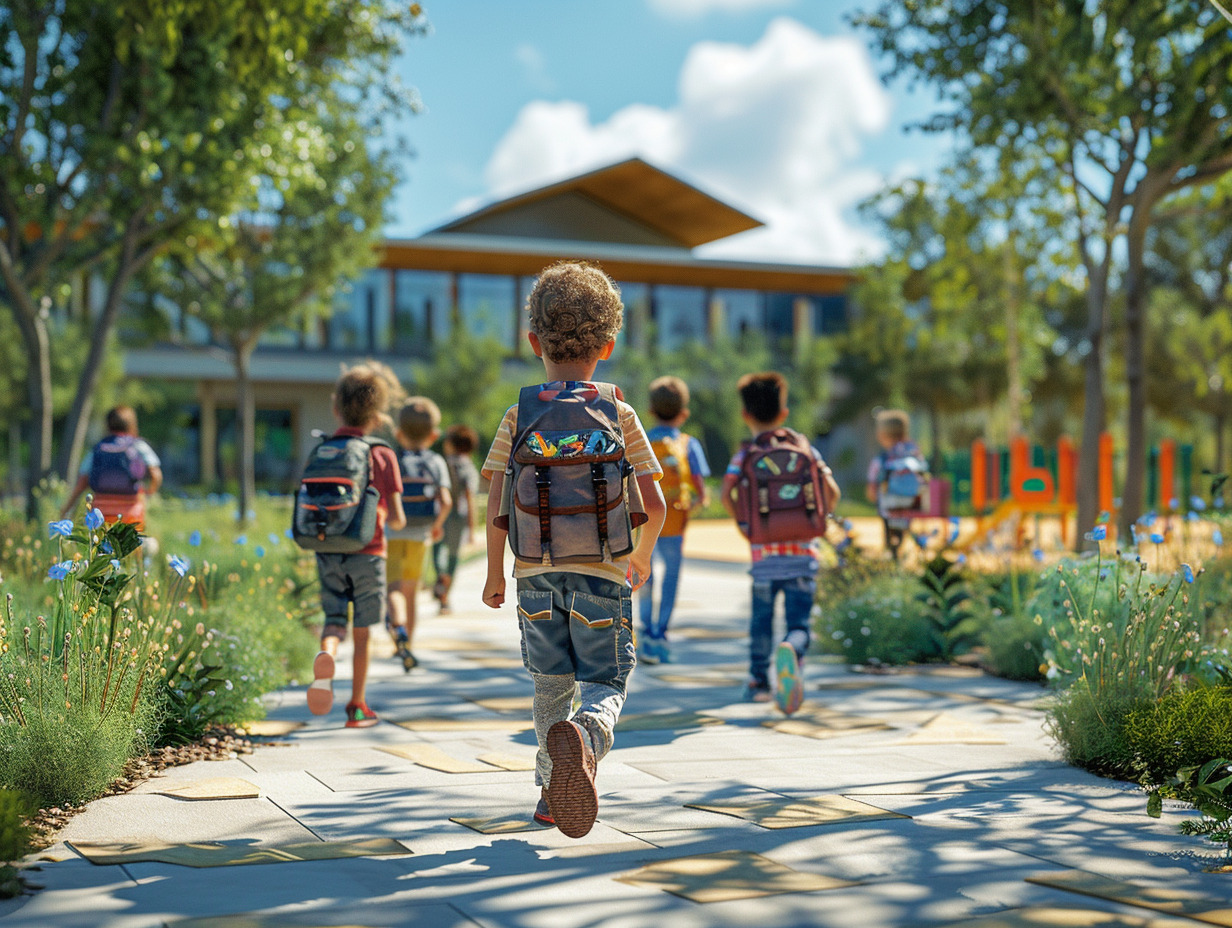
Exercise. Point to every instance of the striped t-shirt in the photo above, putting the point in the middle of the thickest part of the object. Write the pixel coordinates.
(637, 452)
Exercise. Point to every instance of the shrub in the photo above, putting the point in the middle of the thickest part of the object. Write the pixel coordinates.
(1089, 726)
(945, 595)
(883, 621)
(15, 841)
(1186, 728)
(1015, 645)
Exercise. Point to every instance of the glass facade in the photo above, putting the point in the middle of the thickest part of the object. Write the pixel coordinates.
(743, 311)
(421, 307)
(487, 306)
(679, 315)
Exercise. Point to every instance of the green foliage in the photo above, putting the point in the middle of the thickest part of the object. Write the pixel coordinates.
(1013, 637)
(880, 619)
(15, 841)
(954, 626)
(1187, 727)
(465, 379)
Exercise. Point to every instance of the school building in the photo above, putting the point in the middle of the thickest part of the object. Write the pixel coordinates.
(639, 223)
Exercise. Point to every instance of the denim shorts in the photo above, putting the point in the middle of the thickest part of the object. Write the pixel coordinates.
(577, 624)
(358, 579)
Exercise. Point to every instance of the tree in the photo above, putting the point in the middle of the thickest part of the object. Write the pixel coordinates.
(1128, 102)
(125, 126)
(312, 220)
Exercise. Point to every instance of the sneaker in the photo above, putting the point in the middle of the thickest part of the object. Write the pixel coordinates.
(321, 689)
(543, 815)
(756, 691)
(664, 651)
(409, 662)
(572, 799)
(648, 650)
(789, 691)
(360, 716)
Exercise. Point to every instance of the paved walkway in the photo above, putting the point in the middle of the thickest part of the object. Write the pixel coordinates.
(912, 799)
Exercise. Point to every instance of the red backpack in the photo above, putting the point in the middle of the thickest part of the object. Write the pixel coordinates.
(781, 492)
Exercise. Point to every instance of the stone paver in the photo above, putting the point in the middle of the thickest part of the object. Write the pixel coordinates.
(983, 816)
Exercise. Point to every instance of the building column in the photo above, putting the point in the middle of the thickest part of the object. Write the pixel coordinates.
(207, 433)
(801, 326)
(716, 317)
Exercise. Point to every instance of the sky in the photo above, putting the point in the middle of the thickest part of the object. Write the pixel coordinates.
(775, 106)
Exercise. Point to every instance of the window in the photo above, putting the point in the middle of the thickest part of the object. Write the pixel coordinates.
(487, 304)
(636, 298)
(420, 311)
(743, 311)
(356, 312)
(680, 315)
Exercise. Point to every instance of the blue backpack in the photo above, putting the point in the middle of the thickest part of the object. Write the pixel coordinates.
(116, 466)
(421, 490)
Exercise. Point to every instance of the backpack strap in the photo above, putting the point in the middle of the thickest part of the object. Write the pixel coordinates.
(598, 480)
(543, 483)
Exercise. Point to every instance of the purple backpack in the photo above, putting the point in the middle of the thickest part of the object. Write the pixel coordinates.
(116, 466)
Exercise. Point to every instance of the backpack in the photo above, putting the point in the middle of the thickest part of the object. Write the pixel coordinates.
(569, 494)
(420, 489)
(677, 481)
(336, 505)
(116, 466)
(903, 472)
(780, 491)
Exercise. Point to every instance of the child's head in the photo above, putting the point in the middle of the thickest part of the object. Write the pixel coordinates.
(893, 426)
(461, 439)
(764, 397)
(669, 400)
(419, 422)
(360, 396)
(575, 312)
(122, 420)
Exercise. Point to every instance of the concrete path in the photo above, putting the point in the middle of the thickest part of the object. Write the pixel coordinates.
(982, 804)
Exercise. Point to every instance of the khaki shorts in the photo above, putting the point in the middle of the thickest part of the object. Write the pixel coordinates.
(406, 560)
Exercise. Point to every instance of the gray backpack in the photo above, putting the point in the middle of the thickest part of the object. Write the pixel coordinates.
(570, 496)
(336, 505)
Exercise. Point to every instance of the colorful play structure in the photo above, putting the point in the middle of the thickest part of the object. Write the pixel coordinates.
(1012, 486)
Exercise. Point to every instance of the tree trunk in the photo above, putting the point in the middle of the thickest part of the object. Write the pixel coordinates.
(1136, 292)
(1093, 403)
(78, 421)
(245, 418)
(1013, 348)
(934, 429)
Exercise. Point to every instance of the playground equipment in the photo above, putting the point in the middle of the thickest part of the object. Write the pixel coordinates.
(1023, 482)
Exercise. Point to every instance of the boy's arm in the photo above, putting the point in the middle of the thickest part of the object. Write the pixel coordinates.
(870, 492)
(494, 586)
(701, 495)
(395, 514)
(156, 480)
(82, 484)
(656, 512)
(832, 488)
(391, 489)
(729, 484)
(446, 501)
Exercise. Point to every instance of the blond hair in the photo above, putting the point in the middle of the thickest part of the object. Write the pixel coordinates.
(575, 310)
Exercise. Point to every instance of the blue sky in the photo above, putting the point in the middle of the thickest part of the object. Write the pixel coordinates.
(775, 105)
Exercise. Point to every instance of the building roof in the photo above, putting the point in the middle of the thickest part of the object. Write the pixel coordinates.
(518, 256)
(630, 202)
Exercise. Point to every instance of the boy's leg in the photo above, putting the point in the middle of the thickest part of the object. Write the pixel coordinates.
(601, 631)
(368, 582)
(335, 599)
(645, 597)
(761, 632)
(672, 549)
(394, 568)
(553, 703)
(799, 595)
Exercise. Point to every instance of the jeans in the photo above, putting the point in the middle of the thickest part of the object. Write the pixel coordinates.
(798, 595)
(577, 635)
(669, 551)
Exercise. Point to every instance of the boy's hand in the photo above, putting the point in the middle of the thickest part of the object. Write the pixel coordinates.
(639, 564)
(494, 592)
(438, 532)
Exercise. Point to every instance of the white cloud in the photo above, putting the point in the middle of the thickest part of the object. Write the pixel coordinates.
(683, 9)
(534, 67)
(775, 128)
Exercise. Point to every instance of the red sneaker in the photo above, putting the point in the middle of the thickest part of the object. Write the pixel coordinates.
(543, 815)
(360, 716)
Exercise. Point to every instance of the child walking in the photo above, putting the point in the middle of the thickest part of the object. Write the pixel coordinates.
(685, 470)
(780, 492)
(460, 444)
(120, 471)
(355, 580)
(427, 501)
(572, 475)
(896, 476)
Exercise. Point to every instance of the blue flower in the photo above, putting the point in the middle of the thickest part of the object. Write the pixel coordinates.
(1192, 516)
(962, 558)
(290, 533)
(115, 565)
(61, 570)
(1099, 533)
(921, 540)
(846, 523)
(259, 551)
(1157, 538)
(242, 540)
(274, 539)
(94, 520)
(1217, 537)
(1038, 554)
(194, 539)
(1197, 502)
(106, 548)
(1187, 573)
(1174, 504)
(178, 564)
(62, 527)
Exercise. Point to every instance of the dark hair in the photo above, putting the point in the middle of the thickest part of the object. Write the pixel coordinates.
(361, 395)
(463, 438)
(122, 419)
(764, 395)
(669, 396)
(419, 418)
